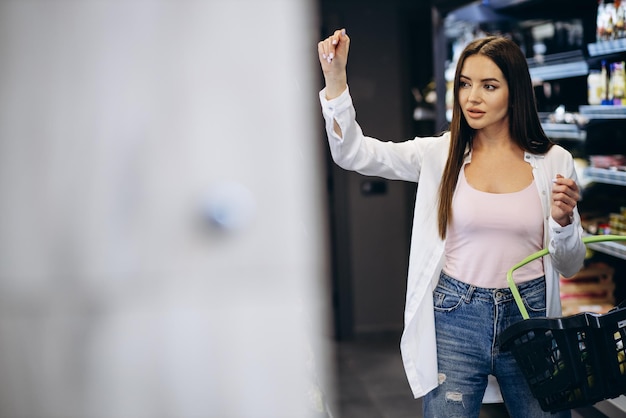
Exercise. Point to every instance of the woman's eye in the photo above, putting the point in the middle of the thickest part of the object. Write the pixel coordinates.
(463, 84)
(490, 87)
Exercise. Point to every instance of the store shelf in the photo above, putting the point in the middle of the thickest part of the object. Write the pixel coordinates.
(614, 46)
(538, 5)
(594, 112)
(564, 131)
(615, 249)
(558, 66)
(605, 175)
(612, 407)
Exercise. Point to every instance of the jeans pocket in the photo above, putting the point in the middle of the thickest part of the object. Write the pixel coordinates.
(535, 302)
(445, 301)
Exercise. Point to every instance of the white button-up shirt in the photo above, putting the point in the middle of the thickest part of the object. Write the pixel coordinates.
(422, 160)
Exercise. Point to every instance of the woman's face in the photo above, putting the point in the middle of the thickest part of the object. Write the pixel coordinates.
(483, 94)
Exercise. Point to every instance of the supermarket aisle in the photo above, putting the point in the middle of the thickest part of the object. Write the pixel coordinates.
(371, 383)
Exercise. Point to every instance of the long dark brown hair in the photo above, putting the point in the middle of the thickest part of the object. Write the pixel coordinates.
(524, 125)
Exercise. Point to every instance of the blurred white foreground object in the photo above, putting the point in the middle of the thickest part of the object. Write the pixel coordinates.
(116, 299)
(230, 206)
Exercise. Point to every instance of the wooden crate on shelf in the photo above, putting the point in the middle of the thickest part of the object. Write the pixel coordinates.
(589, 290)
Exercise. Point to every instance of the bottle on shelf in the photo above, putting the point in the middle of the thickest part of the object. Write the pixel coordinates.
(600, 24)
(595, 88)
(618, 83)
(609, 21)
(619, 19)
(605, 77)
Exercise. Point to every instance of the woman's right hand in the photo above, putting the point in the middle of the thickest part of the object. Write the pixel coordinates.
(333, 56)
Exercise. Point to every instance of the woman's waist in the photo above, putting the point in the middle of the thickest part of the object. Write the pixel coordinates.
(529, 287)
(487, 267)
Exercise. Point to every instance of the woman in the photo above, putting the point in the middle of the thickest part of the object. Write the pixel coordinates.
(492, 190)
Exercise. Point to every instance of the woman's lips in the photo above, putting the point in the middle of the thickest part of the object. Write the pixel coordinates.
(475, 113)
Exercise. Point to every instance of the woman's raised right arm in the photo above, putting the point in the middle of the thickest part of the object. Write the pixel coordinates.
(333, 56)
(349, 148)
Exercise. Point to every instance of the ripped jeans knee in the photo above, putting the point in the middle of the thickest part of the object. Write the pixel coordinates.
(452, 400)
(454, 396)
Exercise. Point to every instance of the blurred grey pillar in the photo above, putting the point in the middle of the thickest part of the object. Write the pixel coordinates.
(161, 245)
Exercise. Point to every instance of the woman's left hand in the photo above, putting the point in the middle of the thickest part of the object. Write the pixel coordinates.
(565, 196)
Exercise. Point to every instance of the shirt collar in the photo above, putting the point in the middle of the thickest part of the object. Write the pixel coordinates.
(529, 157)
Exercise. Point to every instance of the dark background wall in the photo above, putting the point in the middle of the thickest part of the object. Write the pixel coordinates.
(390, 54)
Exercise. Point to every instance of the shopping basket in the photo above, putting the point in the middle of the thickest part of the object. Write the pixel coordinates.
(572, 361)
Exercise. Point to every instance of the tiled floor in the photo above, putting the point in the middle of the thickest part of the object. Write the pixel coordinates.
(370, 383)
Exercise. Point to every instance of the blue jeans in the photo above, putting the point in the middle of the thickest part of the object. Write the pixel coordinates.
(468, 321)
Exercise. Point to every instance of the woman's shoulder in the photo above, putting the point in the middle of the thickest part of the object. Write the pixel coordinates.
(558, 152)
(437, 140)
(557, 159)
(436, 144)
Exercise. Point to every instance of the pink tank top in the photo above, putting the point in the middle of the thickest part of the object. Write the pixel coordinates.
(491, 232)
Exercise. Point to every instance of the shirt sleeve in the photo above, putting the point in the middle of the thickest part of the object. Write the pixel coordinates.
(336, 109)
(354, 151)
(566, 246)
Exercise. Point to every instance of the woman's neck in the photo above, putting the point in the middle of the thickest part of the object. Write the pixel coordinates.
(493, 140)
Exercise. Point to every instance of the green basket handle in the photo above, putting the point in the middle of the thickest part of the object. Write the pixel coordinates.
(509, 275)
